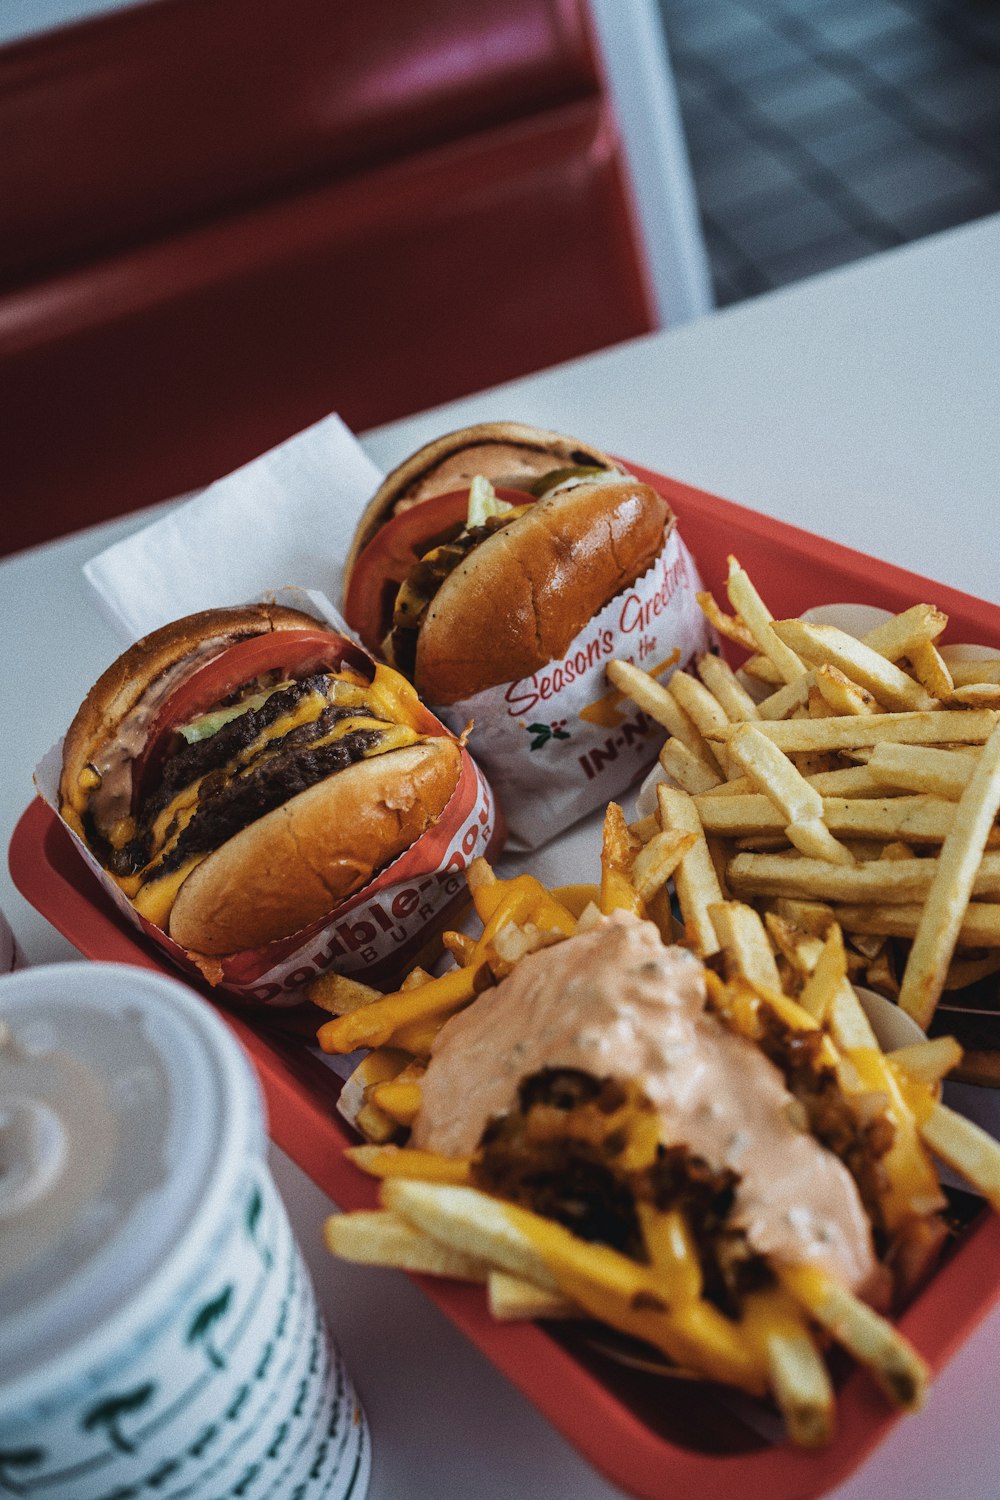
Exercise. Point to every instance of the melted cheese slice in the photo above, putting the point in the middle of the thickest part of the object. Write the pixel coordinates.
(389, 695)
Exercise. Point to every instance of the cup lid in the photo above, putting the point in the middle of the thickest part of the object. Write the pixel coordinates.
(126, 1110)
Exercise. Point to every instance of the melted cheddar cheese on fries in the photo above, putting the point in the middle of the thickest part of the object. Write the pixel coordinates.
(701, 1145)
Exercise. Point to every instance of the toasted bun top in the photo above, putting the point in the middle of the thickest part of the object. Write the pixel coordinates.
(506, 453)
(118, 690)
(519, 598)
(298, 862)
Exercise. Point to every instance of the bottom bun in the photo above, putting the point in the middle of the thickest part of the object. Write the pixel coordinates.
(297, 863)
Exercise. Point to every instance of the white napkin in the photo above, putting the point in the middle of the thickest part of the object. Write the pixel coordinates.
(286, 518)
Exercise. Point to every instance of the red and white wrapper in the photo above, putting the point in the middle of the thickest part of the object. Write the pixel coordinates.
(562, 742)
(378, 933)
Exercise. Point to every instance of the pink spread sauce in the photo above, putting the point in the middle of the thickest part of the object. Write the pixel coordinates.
(614, 1001)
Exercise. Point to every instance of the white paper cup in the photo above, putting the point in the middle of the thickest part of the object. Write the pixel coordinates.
(160, 1333)
(11, 956)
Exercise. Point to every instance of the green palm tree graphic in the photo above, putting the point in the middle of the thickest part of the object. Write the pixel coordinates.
(253, 1213)
(204, 1322)
(109, 1412)
(18, 1458)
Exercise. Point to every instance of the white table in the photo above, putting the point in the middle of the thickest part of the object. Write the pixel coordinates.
(865, 405)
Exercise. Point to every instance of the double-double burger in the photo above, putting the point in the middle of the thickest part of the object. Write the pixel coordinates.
(242, 771)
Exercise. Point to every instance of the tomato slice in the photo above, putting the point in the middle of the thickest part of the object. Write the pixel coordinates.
(295, 653)
(392, 552)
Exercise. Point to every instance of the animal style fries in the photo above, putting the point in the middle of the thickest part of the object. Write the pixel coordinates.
(866, 783)
(571, 1192)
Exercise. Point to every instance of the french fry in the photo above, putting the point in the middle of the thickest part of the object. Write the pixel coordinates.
(826, 645)
(743, 940)
(478, 1226)
(873, 1341)
(966, 971)
(938, 930)
(979, 928)
(722, 682)
(656, 861)
(922, 819)
(617, 854)
(416, 978)
(656, 701)
(606, 1284)
(896, 849)
(890, 880)
(748, 604)
(848, 781)
(460, 946)
(702, 708)
(977, 695)
(479, 876)
(375, 1024)
(642, 830)
(729, 626)
(814, 917)
(695, 878)
(842, 696)
(789, 699)
(880, 972)
(687, 769)
(671, 1248)
(798, 1377)
(378, 1067)
(969, 671)
(892, 640)
(928, 1062)
(967, 1148)
(398, 1098)
(820, 991)
(382, 1238)
(761, 669)
(816, 705)
(800, 949)
(936, 727)
(340, 995)
(920, 768)
(736, 786)
(905, 632)
(800, 803)
(930, 669)
(397, 1161)
(512, 1300)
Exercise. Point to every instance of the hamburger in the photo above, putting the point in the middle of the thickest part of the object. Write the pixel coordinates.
(483, 556)
(240, 772)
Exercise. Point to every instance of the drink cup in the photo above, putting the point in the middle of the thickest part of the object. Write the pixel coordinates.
(160, 1335)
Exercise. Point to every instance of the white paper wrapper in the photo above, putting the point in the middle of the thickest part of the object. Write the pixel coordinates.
(287, 518)
(380, 930)
(562, 742)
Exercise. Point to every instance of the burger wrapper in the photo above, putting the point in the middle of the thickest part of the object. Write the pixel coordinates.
(379, 932)
(560, 743)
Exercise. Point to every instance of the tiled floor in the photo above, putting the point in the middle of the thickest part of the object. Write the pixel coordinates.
(824, 130)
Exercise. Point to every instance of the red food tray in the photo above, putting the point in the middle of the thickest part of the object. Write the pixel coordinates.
(655, 1439)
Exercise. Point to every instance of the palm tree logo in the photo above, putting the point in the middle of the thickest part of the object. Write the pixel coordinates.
(109, 1412)
(254, 1210)
(204, 1321)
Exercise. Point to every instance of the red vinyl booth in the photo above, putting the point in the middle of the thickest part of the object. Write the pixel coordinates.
(221, 219)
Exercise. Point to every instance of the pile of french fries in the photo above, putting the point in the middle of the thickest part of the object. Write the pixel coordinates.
(840, 780)
(763, 981)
